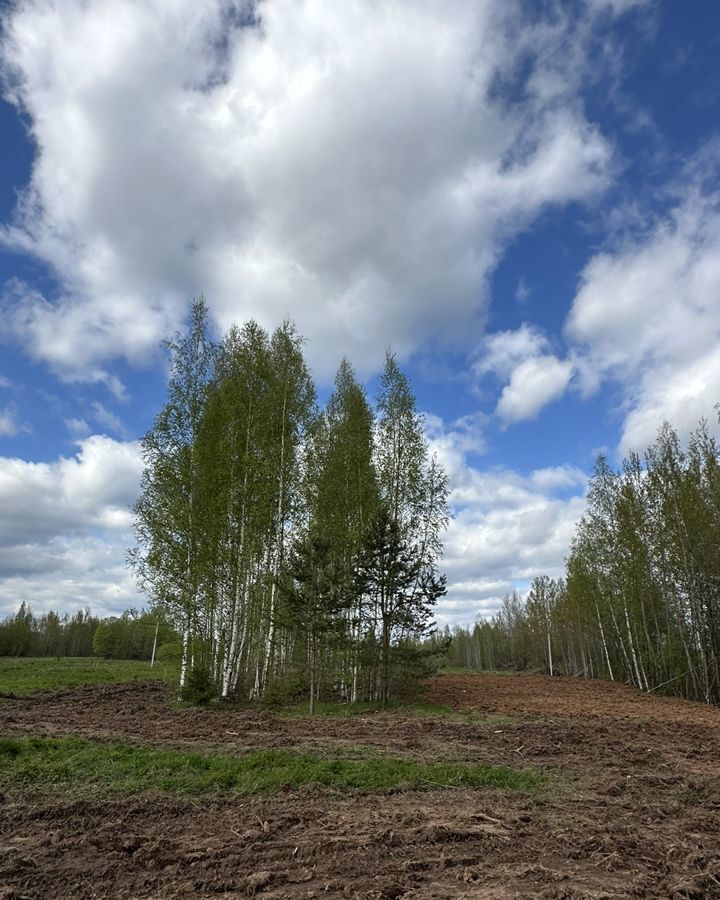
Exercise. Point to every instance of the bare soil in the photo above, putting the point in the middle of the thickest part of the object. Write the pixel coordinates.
(631, 809)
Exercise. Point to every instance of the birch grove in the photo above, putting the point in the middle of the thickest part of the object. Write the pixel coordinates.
(258, 511)
(640, 602)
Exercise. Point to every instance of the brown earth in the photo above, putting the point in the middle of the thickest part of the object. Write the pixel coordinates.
(631, 808)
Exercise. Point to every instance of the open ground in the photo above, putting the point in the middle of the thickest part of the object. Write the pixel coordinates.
(623, 798)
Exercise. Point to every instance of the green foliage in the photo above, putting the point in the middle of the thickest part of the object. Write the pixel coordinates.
(641, 601)
(132, 635)
(26, 674)
(254, 512)
(169, 652)
(199, 688)
(49, 635)
(86, 768)
(390, 572)
(315, 598)
(288, 687)
(167, 560)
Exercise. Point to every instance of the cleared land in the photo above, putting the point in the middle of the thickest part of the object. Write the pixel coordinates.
(627, 802)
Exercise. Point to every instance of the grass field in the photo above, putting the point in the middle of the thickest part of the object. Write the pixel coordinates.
(24, 675)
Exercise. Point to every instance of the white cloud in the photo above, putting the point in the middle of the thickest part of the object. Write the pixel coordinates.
(507, 527)
(522, 292)
(78, 428)
(5, 382)
(647, 316)
(619, 7)
(69, 573)
(86, 491)
(355, 167)
(533, 384)
(503, 351)
(104, 416)
(8, 425)
(65, 528)
(534, 375)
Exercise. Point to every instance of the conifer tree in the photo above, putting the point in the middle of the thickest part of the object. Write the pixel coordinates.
(315, 601)
(344, 495)
(402, 590)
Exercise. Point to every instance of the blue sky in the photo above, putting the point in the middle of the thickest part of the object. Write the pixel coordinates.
(520, 198)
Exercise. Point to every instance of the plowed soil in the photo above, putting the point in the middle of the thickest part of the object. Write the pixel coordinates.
(631, 807)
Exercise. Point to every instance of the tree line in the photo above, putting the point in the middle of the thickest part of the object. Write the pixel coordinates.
(294, 548)
(640, 601)
(129, 636)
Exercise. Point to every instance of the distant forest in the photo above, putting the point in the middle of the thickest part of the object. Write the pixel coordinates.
(294, 548)
(129, 636)
(641, 599)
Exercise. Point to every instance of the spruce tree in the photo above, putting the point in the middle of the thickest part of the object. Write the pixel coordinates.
(344, 495)
(401, 590)
(315, 600)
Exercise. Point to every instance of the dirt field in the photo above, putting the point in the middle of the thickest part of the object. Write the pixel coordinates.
(631, 808)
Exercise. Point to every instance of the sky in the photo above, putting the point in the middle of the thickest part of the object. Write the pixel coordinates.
(521, 198)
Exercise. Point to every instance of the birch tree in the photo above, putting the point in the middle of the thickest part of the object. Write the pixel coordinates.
(166, 558)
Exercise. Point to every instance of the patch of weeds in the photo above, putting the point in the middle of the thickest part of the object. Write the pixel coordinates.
(80, 766)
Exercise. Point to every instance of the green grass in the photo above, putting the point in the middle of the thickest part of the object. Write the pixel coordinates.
(358, 709)
(21, 675)
(87, 768)
(343, 710)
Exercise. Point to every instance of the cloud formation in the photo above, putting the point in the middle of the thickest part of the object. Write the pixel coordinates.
(533, 384)
(8, 425)
(532, 374)
(507, 527)
(65, 528)
(647, 313)
(358, 170)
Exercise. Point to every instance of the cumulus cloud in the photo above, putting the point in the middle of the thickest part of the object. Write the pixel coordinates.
(533, 385)
(355, 167)
(78, 428)
(647, 315)
(534, 376)
(65, 528)
(503, 351)
(69, 573)
(507, 527)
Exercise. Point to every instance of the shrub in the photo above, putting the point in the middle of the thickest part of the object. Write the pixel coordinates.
(199, 688)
